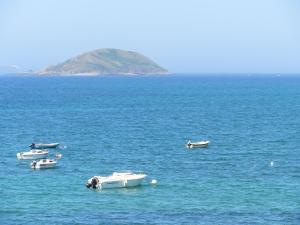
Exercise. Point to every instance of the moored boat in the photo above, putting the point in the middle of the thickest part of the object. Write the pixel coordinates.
(43, 146)
(33, 154)
(116, 180)
(199, 144)
(43, 164)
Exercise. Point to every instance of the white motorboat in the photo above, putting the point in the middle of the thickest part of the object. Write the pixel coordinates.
(43, 146)
(33, 154)
(116, 180)
(43, 164)
(199, 144)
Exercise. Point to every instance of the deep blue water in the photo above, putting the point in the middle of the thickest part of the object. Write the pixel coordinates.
(142, 123)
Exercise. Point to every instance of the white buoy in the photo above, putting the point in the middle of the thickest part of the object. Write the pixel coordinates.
(271, 163)
(153, 182)
(58, 156)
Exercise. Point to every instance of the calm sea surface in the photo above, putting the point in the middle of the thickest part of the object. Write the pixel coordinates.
(108, 124)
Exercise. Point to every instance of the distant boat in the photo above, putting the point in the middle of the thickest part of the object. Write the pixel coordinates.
(116, 180)
(199, 144)
(43, 146)
(33, 154)
(43, 164)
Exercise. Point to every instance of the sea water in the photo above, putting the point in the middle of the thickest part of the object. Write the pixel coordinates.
(249, 174)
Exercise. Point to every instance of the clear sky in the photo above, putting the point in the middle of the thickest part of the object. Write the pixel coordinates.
(249, 36)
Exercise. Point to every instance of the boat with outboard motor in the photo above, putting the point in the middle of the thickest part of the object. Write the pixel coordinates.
(43, 146)
(43, 164)
(33, 154)
(199, 144)
(116, 180)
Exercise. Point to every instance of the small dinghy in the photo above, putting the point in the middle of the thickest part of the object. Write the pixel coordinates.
(33, 154)
(200, 144)
(43, 146)
(43, 164)
(116, 180)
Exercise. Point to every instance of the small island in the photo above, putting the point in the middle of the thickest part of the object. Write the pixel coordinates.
(106, 61)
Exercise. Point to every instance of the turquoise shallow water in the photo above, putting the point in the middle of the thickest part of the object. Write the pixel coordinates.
(113, 123)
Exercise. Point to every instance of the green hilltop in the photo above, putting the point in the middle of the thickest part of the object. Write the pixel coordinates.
(106, 62)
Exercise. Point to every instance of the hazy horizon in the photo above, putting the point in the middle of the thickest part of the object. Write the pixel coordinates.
(183, 37)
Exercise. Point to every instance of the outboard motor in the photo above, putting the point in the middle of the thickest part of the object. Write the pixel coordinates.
(34, 164)
(94, 183)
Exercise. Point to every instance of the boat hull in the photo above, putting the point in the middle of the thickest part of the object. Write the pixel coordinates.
(120, 184)
(44, 146)
(48, 166)
(202, 144)
(21, 156)
(41, 165)
(117, 180)
(134, 183)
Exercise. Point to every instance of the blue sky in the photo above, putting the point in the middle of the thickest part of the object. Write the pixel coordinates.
(205, 36)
